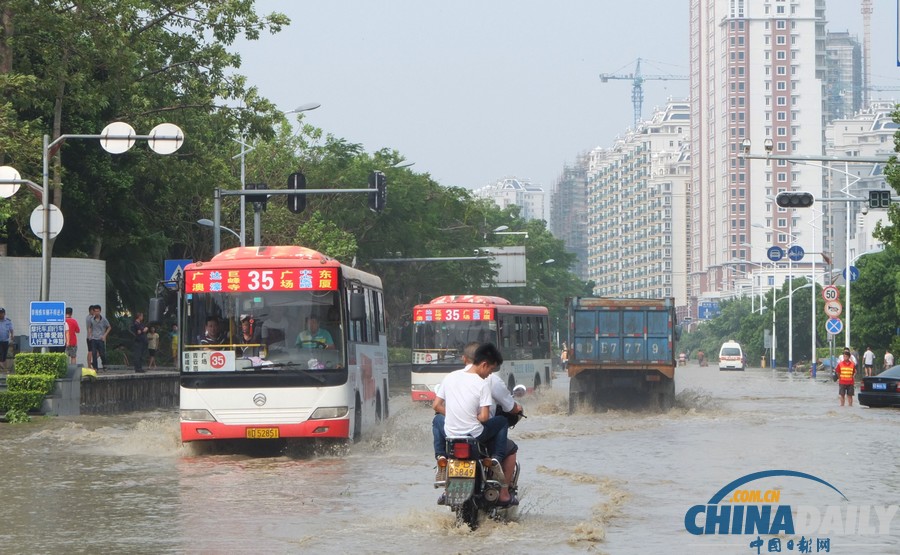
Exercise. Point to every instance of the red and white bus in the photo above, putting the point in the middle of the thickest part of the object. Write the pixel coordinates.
(443, 327)
(265, 381)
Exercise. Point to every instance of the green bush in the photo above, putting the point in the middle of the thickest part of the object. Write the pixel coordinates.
(20, 400)
(51, 364)
(30, 382)
(399, 355)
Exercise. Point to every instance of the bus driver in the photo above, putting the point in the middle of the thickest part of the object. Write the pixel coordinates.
(314, 337)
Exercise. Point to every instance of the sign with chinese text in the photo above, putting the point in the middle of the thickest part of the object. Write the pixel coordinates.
(48, 335)
(48, 312)
(254, 280)
(452, 314)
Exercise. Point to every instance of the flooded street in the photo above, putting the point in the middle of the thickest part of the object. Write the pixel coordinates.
(614, 482)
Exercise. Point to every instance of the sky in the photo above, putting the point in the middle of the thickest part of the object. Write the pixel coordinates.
(473, 92)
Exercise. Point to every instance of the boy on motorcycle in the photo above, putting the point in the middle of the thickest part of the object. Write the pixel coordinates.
(454, 408)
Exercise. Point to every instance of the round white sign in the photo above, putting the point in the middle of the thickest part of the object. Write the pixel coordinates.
(115, 137)
(833, 308)
(9, 173)
(37, 221)
(165, 138)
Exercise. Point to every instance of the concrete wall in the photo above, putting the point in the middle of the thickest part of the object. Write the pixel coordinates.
(79, 282)
(129, 393)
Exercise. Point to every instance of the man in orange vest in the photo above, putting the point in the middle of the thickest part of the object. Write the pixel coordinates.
(846, 371)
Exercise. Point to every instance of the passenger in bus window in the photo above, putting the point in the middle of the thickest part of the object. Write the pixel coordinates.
(314, 337)
(250, 335)
(212, 334)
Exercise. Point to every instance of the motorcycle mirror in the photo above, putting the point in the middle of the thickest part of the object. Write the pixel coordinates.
(519, 391)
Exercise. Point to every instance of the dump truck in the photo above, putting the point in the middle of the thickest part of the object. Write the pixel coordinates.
(621, 352)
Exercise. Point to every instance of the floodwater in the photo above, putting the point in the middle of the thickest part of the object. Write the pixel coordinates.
(612, 482)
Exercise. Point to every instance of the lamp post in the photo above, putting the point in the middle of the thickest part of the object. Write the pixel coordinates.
(246, 149)
(116, 138)
(206, 222)
(790, 279)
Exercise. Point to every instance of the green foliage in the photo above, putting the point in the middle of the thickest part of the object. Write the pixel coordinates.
(31, 382)
(16, 416)
(46, 364)
(399, 355)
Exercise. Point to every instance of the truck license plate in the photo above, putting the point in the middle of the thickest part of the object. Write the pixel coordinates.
(461, 469)
(262, 433)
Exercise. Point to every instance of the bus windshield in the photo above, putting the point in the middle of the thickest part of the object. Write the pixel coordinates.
(435, 342)
(272, 330)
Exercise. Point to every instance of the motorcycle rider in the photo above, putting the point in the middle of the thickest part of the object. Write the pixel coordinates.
(501, 396)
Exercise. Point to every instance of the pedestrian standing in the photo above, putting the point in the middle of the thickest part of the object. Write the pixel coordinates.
(139, 329)
(152, 346)
(846, 371)
(98, 330)
(87, 338)
(6, 335)
(888, 359)
(72, 331)
(174, 336)
(868, 361)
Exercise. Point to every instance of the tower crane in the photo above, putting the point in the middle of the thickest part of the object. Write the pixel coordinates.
(637, 85)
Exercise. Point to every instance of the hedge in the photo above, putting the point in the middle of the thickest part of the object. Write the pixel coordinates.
(34, 376)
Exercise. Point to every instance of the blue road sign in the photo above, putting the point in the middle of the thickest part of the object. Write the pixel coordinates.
(707, 310)
(796, 253)
(834, 326)
(173, 270)
(775, 253)
(854, 273)
(48, 335)
(48, 312)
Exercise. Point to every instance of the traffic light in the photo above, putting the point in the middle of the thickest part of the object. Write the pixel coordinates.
(880, 199)
(795, 199)
(378, 197)
(261, 199)
(296, 203)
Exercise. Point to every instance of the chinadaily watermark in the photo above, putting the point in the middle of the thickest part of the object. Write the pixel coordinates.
(754, 509)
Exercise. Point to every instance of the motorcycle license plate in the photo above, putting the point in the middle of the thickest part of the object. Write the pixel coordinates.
(461, 469)
(262, 433)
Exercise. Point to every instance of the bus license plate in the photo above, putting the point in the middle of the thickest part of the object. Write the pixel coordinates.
(262, 433)
(461, 469)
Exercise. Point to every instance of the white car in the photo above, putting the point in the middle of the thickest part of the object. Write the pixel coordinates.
(731, 356)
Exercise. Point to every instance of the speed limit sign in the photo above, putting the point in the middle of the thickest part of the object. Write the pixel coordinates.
(830, 293)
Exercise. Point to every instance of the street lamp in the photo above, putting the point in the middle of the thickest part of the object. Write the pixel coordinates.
(502, 230)
(206, 222)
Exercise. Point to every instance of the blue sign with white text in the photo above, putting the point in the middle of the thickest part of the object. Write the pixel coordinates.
(48, 312)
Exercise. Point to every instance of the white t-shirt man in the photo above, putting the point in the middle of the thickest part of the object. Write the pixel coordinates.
(464, 393)
(869, 358)
(499, 394)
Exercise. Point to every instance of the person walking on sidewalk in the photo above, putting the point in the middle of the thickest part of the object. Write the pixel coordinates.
(6, 335)
(139, 329)
(72, 331)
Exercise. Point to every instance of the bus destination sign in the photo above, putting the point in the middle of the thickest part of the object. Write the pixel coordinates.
(452, 314)
(253, 280)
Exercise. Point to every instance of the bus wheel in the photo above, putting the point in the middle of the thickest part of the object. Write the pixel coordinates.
(537, 382)
(387, 396)
(357, 422)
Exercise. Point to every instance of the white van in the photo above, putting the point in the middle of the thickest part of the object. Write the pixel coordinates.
(731, 356)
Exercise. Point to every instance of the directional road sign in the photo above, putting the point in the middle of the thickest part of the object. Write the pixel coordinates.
(834, 326)
(795, 253)
(854, 273)
(775, 253)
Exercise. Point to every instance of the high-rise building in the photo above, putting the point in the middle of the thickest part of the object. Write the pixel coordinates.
(638, 230)
(843, 76)
(757, 70)
(520, 192)
(568, 212)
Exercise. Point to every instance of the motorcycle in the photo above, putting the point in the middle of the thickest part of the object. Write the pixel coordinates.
(472, 479)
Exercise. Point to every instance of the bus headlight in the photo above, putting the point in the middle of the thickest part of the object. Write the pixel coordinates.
(329, 412)
(196, 415)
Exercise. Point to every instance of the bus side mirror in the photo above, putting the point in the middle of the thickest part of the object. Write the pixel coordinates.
(157, 309)
(357, 306)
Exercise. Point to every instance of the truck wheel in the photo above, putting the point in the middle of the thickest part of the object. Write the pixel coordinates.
(666, 395)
